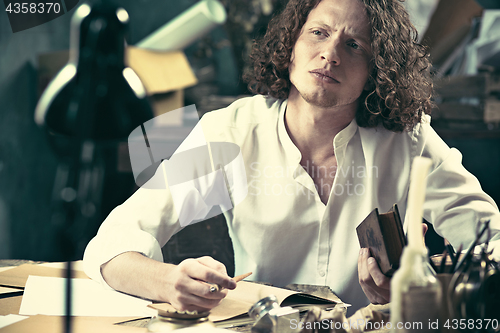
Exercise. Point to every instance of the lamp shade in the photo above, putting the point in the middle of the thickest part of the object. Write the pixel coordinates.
(95, 96)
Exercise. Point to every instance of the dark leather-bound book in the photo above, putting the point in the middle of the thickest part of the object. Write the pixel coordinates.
(383, 235)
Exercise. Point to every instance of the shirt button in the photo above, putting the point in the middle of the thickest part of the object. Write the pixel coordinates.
(322, 273)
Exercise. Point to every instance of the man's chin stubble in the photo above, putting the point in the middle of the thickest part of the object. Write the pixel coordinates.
(325, 102)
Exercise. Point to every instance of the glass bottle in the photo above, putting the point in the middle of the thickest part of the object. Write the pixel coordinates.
(415, 294)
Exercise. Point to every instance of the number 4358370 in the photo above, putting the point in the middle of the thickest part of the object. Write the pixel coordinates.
(33, 8)
(471, 324)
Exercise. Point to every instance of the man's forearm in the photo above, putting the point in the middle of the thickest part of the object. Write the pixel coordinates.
(135, 274)
(186, 286)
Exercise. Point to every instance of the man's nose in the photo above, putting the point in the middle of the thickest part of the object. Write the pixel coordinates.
(331, 51)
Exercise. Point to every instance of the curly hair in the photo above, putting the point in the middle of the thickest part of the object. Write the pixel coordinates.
(401, 86)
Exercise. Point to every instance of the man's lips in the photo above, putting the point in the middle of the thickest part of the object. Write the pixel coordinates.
(324, 75)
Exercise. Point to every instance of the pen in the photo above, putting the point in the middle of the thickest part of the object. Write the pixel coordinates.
(215, 287)
(443, 261)
(455, 259)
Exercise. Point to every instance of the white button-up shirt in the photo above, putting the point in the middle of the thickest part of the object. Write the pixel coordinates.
(282, 231)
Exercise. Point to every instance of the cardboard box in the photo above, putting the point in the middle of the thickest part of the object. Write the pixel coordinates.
(164, 75)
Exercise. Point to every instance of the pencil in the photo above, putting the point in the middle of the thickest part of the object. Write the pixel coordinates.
(215, 288)
(242, 276)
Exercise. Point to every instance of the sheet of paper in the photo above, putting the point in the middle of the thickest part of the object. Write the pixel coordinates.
(10, 319)
(2, 269)
(45, 295)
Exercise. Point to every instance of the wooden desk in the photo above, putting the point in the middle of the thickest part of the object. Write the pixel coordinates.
(12, 302)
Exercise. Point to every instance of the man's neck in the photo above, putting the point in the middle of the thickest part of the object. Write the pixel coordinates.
(312, 128)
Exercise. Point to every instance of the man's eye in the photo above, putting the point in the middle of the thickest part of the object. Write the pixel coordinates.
(317, 33)
(354, 45)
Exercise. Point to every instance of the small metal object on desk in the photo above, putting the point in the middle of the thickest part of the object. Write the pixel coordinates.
(167, 321)
(271, 318)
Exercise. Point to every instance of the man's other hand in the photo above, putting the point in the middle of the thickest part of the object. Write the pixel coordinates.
(190, 282)
(376, 286)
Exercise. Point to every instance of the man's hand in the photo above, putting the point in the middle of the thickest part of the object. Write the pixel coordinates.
(376, 286)
(190, 282)
(185, 286)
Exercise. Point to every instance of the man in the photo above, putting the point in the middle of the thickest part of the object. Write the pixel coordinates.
(347, 89)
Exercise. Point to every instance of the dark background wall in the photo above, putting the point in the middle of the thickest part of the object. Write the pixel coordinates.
(27, 163)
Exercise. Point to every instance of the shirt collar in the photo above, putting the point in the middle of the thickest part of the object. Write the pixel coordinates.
(293, 154)
(344, 136)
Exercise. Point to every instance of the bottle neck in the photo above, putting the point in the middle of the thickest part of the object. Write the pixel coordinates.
(416, 261)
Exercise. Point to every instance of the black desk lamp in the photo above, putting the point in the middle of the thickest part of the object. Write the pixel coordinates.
(93, 102)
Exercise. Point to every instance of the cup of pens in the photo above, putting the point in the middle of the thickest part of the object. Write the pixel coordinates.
(471, 287)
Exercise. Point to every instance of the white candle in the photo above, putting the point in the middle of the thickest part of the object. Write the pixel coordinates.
(416, 198)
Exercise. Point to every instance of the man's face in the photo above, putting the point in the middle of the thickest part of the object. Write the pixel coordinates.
(330, 61)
